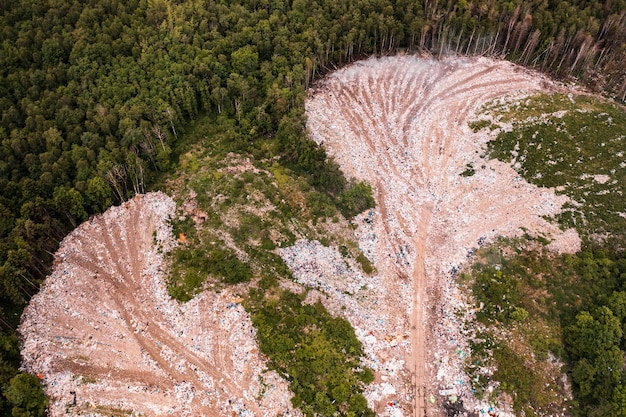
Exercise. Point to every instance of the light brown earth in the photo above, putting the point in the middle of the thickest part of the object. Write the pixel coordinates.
(104, 327)
(401, 124)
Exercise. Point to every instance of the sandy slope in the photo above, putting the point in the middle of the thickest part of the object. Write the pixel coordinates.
(401, 124)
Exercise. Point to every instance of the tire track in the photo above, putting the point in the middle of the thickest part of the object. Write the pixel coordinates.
(116, 328)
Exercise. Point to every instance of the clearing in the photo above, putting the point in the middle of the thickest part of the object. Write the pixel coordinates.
(107, 339)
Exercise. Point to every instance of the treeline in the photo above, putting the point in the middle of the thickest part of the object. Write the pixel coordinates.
(92, 93)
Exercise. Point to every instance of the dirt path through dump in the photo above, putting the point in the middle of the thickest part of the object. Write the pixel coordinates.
(417, 328)
(401, 124)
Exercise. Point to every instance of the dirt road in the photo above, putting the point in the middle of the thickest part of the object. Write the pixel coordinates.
(103, 327)
(401, 123)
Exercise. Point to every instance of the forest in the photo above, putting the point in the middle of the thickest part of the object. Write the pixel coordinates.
(95, 95)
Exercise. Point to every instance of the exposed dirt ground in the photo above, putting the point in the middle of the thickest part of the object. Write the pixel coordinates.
(103, 327)
(401, 123)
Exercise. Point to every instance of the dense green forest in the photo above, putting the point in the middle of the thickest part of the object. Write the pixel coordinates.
(95, 94)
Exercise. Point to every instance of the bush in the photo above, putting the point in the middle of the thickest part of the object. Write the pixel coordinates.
(366, 265)
(25, 396)
(498, 294)
(356, 198)
(320, 353)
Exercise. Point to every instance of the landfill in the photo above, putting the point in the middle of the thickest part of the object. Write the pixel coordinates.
(106, 338)
(401, 124)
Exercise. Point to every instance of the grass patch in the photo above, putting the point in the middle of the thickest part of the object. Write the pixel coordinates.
(193, 266)
(109, 410)
(578, 147)
(365, 263)
(518, 380)
(479, 125)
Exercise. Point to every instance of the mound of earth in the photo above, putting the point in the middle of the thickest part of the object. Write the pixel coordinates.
(401, 124)
(106, 338)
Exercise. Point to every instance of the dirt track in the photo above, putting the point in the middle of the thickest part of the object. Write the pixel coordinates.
(104, 327)
(401, 124)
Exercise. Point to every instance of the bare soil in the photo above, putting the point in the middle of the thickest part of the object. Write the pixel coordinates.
(107, 339)
(401, 124)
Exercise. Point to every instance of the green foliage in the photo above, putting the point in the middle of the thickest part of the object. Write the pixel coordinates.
(479, 124)
(365, 263)
(317, 353)
(517, 380)
(498, 295)
(593, 342)
(469, 171)
(25, 397)
(193, 266)
(591, 335)
(518, 314)
(618, 405)
(577, 148)
(320, 205)
(356, 198)
(225, 263)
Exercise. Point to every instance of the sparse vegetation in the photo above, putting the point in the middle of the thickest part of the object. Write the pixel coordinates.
(577, 146)
(479, 125)
(573, 311)
(571, 304)
(469, 171)
(365, 263)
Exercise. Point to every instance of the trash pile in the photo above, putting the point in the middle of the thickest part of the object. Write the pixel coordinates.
(401, 124)
(106, 337)
(345, 291)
